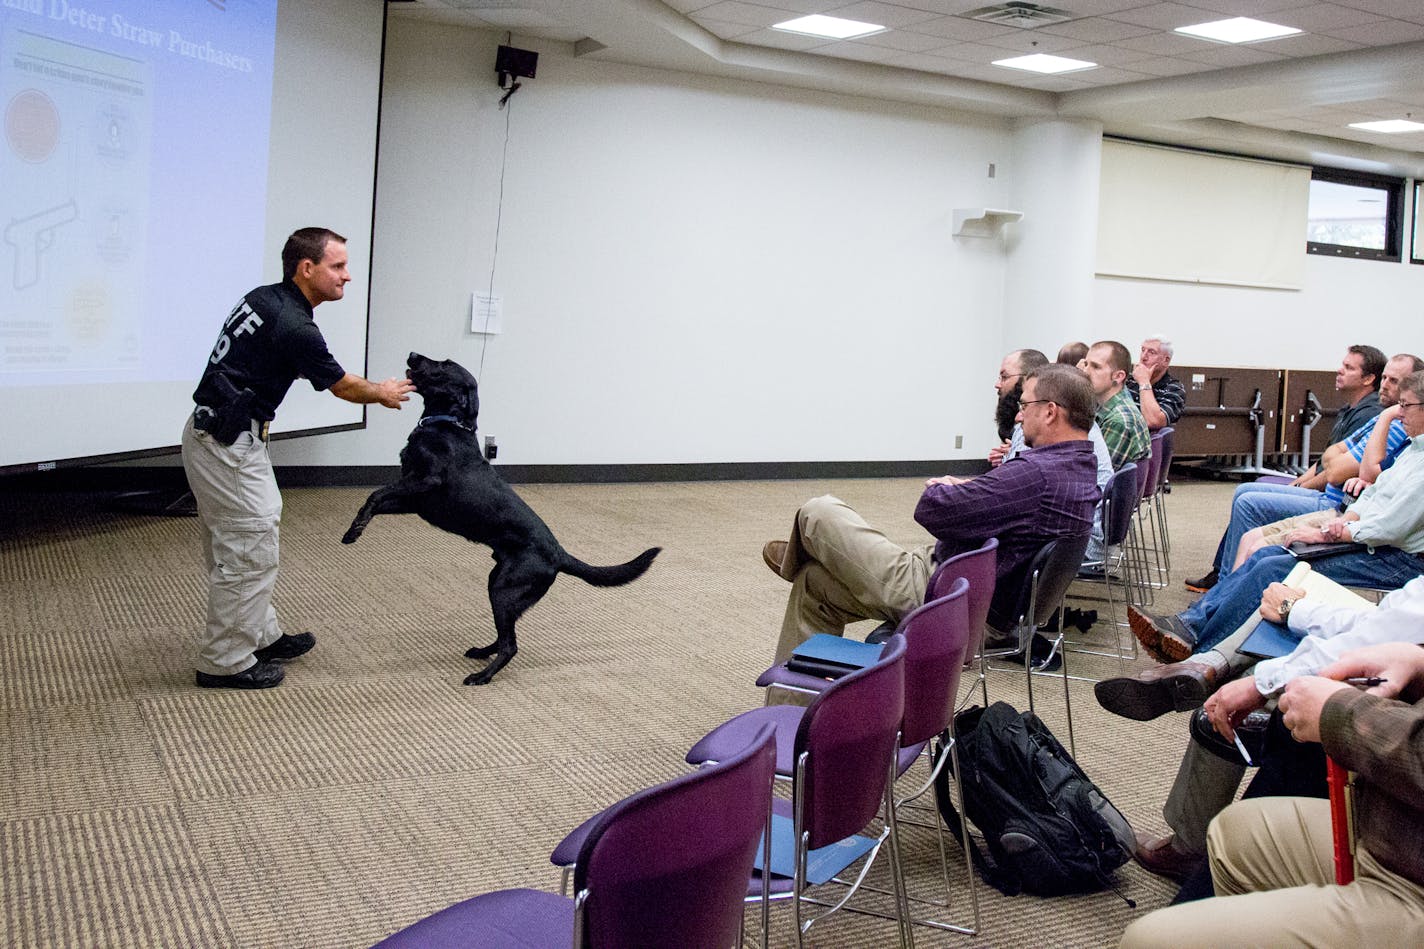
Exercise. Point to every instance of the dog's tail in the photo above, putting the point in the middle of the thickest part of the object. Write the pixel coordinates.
(611, 576)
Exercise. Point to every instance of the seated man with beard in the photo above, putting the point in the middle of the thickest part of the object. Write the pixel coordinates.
(843, 570)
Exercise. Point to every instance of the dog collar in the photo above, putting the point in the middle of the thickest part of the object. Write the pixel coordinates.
(444, 418)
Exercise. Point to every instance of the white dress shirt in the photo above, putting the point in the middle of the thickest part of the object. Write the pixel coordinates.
(1330, 631)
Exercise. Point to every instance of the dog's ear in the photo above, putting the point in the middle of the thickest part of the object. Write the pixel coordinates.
(472, 403)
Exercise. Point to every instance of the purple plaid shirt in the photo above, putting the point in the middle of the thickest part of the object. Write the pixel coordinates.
(1041, 495)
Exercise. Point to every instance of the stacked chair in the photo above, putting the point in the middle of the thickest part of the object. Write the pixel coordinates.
(675, 865)
(939, 635)
(1120, 570)
(686, 890)
(1039, 599)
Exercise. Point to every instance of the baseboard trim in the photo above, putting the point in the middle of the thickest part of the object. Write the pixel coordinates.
(308, 476)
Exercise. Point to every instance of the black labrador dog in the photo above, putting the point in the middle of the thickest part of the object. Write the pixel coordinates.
(446, 480)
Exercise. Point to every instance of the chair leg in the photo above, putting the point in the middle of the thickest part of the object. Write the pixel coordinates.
(897, 875)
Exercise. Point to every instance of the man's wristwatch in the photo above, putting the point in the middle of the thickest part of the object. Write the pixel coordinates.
(1285, 608)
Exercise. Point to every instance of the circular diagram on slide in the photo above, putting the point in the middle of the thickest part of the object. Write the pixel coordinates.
(32, 125)
(113, 132)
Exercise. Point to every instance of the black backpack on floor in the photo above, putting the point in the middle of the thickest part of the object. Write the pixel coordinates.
(1048, 828)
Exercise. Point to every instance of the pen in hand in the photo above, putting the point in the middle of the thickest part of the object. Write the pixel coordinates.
(1365, 682)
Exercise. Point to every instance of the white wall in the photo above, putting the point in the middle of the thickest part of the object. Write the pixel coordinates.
(680, 282)
(681, 286)
(1342, 302)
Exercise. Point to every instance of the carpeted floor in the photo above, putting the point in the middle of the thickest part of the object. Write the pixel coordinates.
(372, 788)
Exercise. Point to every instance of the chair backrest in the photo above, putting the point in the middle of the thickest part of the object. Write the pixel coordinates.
(1049, 574)
(848, 735)
(1169, 448)
(1153, 463)
(673, 860)
(936, 635)
(980, 568)
(1119, 501)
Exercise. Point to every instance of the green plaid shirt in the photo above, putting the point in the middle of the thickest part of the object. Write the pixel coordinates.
(1124, 430)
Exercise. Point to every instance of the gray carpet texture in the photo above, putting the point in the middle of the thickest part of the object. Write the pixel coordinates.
(372, 788)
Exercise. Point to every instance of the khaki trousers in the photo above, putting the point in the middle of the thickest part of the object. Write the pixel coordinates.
(843, 570)
(239, 508)
(1272, 859)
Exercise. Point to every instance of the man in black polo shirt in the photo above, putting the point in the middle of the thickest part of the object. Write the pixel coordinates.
(268, 340)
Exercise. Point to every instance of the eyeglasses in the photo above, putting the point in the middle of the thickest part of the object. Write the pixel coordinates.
(1403, 405)
(1006, 376)
(1023, 405)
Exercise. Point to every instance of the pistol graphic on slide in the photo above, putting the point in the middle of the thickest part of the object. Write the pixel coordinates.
(32, 236)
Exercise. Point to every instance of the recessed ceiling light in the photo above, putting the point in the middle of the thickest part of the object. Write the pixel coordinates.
(1241, 29)
(831, 27)
(1389, 125)
(1044, 63)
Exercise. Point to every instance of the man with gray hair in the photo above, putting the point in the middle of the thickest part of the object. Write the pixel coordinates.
(1160, 396)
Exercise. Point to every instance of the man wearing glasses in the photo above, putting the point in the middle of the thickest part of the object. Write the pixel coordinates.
(1387, 521)
(1159, 396)
(843, 570)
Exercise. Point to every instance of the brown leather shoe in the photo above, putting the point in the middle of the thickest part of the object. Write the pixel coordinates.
(1161, 856)
(1165, 637)
(773, 554)
(1177, 687)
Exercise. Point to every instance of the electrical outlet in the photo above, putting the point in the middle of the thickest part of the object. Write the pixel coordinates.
(959, 441)
(491, 449)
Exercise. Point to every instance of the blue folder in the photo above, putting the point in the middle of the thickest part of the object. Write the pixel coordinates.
(851, 653)
(822, 864)
(1269, 641)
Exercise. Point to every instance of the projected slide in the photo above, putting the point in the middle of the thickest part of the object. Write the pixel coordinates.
(134, 166)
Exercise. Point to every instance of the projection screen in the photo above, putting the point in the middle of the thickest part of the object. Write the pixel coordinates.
(156, 155)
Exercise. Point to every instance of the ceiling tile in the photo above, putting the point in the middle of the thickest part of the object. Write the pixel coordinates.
(1402, 9)
(1108, 76)
(732, 11)
(1109, 55)
(942, 7)
(1169, 66)
(1163, 16)
(1095, 7)
(973, 53)
(857, 51)
(1310, 44)
(958, 28)
(1252, 8)
(1381, 32)
(1224, 57)
(1324, 16)
(907, 41)
(1032, 41)
(780, 39)
(885, 14)
(1164, 44)
(1096, 29)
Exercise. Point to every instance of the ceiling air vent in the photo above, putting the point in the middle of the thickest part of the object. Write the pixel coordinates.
(1023, 15)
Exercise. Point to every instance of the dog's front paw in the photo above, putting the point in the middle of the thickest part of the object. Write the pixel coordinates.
(479, 678)
(481, 652)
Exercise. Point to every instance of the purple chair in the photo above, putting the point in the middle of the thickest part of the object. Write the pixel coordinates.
(1050, 572)
(978, 566)
(1118, 505)
(1164, 488)
(841, 753)
(665, 867)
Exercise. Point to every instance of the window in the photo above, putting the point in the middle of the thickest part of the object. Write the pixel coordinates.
(1416, 253)
(1353, 214)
